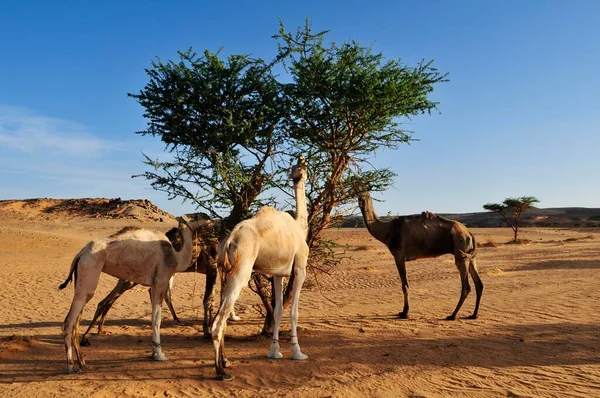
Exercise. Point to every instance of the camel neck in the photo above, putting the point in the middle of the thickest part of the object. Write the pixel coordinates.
(377, 228)
(184, 255)
(301, 210)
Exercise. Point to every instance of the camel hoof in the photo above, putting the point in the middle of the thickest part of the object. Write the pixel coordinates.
(451, 317)
(85, 342)
(474, 316)
(274, 355)
(224, 377)
(74, 370)
(234, 318)
(402, 315)
(300, 356)
(159, 357)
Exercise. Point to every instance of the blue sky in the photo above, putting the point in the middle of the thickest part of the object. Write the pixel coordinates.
(520, 115)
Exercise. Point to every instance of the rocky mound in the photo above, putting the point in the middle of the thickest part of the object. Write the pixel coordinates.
(140, 209)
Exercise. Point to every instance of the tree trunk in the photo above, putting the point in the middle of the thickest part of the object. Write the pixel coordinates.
(264, 292)
(269, 323)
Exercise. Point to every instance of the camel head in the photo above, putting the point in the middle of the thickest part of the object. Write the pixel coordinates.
(363, 199)
(192, 220)
(299, 170)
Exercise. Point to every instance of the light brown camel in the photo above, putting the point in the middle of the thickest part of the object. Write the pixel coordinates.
(138, 255)
(203, 261)
(271, 242)
(424, 236)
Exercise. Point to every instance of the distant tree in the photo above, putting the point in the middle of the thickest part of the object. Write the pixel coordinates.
(514, 206)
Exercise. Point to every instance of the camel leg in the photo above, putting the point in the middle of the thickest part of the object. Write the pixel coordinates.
(277, 313)
(461, 264)
(230, 291)
(478, 285)
(300, 275)
(84, 291)
(104, 306)
(218, 332)
(401, 265)
(157, 296)
(233, 317)
(68, 330)
(122, 286)
(170, 303)
(76, 346)
(207, 302)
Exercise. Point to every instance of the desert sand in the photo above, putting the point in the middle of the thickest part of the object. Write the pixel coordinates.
(538, 334)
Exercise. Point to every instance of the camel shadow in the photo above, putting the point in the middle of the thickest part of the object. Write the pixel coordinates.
(167, 323)
(555, 344)
(558, 264)
(25, 359)
(529, 345)
(31, 325)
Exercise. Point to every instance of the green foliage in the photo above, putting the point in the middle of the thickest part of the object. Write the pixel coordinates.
(346, 104)
(219, 121)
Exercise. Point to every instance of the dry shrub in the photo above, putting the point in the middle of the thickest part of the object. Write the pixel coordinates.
(488, 243)
(364, 248)
(576, 239)
(523, 241)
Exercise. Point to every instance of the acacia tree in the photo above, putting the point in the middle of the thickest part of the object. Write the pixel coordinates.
(346, 102)
(232, 127)
(219, 121)
(515, 206)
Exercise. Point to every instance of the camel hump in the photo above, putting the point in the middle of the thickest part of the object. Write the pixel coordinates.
(428, 215)
(125, 231)
(265, 211)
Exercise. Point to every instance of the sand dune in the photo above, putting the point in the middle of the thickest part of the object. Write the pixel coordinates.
(538, 334)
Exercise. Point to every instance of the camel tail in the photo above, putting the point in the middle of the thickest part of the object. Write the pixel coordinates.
(72, 271)
(224, 261)
(472, 251)
(469, 254)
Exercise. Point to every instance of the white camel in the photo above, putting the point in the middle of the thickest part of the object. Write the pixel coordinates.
(203, 261)
(139, 255)
(272, 242)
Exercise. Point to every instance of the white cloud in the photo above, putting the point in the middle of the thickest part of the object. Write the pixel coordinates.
(25, 131)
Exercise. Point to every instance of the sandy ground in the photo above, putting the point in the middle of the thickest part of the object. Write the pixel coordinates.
(538, 333)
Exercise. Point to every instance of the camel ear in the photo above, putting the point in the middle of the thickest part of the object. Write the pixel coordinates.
(185, 218)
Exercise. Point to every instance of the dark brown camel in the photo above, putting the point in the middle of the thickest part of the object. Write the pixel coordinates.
(424, 236)
(204, 262)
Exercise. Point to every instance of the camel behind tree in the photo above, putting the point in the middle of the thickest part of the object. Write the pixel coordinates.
(424, 236)
(135, 254)
(203, 262)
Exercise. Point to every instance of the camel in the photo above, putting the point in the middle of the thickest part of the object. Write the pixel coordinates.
(135, 254)
(272, 242)
(424, 236)
(205, 263)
